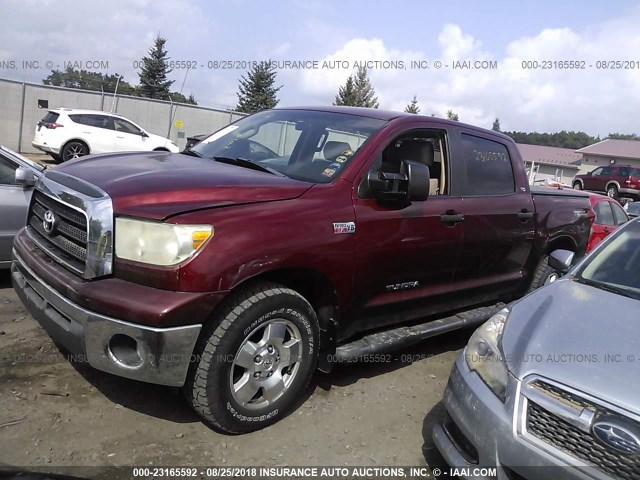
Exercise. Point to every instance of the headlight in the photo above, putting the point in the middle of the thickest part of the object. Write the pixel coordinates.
(158, 243)
(483, 354)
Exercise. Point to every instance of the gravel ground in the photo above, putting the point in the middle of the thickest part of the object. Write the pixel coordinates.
(54, 413)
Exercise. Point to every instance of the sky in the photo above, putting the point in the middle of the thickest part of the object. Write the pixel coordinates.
(511, 35)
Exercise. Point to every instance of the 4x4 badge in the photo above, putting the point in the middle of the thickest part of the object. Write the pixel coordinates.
(344, 227)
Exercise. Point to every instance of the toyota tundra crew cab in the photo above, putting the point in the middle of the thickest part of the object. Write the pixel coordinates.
(284, 243)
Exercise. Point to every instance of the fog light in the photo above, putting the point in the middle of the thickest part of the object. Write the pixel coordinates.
(124, 350)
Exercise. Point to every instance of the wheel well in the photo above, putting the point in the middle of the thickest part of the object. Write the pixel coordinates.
(614, 184)
(74, 140)
(577, 180)
(564, 243)
(160, 149)
(313, 285)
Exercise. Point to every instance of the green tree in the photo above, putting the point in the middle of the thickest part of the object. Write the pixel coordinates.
(365, 94)
(346, 95)
(562, 139)
(257, 91)
(155, 68)
(413, 106)
(496, 125)
(82, 79)
(623, 136)
(451, 115)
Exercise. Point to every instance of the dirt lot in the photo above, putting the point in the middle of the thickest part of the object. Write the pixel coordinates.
(53, 413)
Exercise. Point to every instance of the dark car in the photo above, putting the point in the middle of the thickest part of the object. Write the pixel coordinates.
(548, 387)
(633, 209)
(614, 180)
(285, 242)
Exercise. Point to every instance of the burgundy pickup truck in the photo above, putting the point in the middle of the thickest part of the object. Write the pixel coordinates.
(288, 241)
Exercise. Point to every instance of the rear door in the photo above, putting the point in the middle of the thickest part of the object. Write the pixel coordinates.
(96, 130)
(499, 220)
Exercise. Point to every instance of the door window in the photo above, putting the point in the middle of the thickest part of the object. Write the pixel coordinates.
(604, 215)
(618, 214)
(488, 165)
(123, 126)
(7, 172)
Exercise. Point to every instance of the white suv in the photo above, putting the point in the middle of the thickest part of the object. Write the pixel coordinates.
(66, 133)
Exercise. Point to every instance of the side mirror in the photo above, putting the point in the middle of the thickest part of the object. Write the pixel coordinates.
(588, 174)
(25, 177)
(410, 185)
(144, 134)
(561, 260)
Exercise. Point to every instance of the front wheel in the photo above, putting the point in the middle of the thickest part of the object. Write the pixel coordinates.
(577, 186)
(543, 274)
(255, 361)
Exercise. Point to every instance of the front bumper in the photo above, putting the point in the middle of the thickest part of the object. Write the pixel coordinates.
(481, 431)
(155, 355)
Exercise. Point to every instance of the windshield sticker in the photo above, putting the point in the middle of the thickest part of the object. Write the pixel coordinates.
(328, 172)
(341, 159)
(335, 166)
(347, 153)
(220, 134)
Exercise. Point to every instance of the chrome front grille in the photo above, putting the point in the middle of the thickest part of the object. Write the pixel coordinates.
(72, 222)
(564, 420)
(69, 238)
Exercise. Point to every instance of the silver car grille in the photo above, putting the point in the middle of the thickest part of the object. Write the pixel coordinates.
(72, 222)
(564, 420)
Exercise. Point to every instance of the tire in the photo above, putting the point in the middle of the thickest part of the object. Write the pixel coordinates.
(74, 149)
(543, 274)
(612, 191)
(243, 377)
(577, 186)
(57, 158)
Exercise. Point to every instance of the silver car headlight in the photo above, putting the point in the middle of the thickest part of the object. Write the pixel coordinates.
(158, 243)
(483, 354)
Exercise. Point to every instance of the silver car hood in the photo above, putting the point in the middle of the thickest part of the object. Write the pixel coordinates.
(581, 336)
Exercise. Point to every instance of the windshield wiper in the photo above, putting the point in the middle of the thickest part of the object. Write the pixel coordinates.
(608, 287)
(243, 162)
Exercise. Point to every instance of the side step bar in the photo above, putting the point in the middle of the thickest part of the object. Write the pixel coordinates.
(386, 341)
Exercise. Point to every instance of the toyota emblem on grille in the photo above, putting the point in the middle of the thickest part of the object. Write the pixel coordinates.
(49, 222)
(616, 436)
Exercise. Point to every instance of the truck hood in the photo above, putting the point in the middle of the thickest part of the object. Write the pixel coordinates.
(158, 185)
(570, 333)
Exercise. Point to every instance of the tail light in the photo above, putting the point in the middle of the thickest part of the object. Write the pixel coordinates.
(52, 125)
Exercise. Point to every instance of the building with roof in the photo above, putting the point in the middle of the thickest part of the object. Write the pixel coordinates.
(609, 151)
(549, 163)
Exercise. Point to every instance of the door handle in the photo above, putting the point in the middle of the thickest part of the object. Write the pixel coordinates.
(606, 230)
(525, 215)
(451, 217)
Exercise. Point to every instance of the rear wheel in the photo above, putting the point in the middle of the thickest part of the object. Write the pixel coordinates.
(543, 274)
(57, 158)
(577, 186)
(255, 361)
(612, 191)
(73, 150)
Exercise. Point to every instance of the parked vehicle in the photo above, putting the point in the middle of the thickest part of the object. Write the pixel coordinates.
(614, 180)
(194, 140)
(289, 240)
(551, 381)
(14, 197)
(609, 215)
(67, 133)
(633, 209)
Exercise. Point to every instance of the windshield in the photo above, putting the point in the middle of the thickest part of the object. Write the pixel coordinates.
(17, 158)
(616, 267)
(305, 145)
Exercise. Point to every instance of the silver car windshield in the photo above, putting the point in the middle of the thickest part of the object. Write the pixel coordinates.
(312, 146)
(616, 267)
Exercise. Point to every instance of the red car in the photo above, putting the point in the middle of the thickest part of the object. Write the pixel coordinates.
(609, 216)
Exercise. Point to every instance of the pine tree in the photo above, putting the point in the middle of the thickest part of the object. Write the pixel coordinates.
(153, 76)
(413, 106)
(365, 94)
(451, 115)
(346, 95)
(496, 125)
(257, 92)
